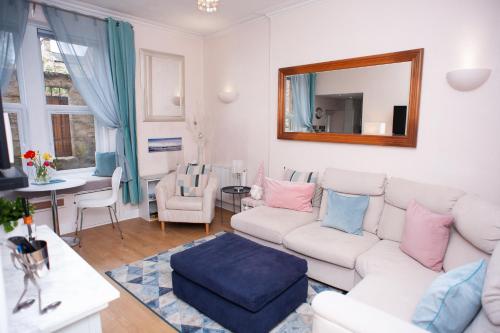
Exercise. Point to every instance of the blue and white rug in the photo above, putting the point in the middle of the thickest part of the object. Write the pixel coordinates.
(149, 280)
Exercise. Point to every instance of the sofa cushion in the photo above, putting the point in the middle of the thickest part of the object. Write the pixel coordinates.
(460, 252)
(356, 183)
(386, 257)
(453, 299)
(271, 224)
(330, 245)
(491, 290)
(478, 221)
(290, 195)
(397, 294)
(400, 192)
(184, 203)
(346, 213)
(426, 235)
(306, 177)
(481, 324)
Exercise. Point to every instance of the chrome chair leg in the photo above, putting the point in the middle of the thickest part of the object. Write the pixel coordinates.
(81, 227)
(109, 211)
(117, 223)
(76, 221)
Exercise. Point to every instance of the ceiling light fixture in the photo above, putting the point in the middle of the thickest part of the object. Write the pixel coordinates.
(208, 6)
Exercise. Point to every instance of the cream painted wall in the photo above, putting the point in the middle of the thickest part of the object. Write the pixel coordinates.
(191, 47)
(239, 59)
(458, 131)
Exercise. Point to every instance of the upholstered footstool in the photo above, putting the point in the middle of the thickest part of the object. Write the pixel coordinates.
(244, 286)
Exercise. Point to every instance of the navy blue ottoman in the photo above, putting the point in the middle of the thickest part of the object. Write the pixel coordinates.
(244, 286)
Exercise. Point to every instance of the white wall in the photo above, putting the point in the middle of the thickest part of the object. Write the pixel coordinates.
(239, 59)
(191, 47)
(458, 132)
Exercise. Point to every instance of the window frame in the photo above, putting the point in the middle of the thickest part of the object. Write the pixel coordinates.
(51, 109)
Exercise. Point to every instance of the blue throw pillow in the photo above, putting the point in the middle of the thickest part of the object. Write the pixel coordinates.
(346, 213)
(105, 164)
(453, 300)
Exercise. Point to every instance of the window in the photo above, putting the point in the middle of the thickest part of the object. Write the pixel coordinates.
(73, 126)
(13, 141)
(11, 94)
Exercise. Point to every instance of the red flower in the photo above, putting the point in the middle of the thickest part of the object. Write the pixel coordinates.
(29, 154)
(46, 163)
(30, 163)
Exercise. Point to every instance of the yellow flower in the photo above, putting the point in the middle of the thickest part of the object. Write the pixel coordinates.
(47, 156)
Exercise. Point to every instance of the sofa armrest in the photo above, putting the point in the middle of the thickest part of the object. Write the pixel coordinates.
(165, 189)
(209, 196)
(337, 313)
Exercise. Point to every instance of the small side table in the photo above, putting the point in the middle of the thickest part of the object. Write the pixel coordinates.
(235, 191)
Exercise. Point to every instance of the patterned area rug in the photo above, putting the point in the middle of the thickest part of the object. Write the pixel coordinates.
(149, 280)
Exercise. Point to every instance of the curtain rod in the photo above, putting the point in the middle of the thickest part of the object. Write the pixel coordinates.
(41, 3)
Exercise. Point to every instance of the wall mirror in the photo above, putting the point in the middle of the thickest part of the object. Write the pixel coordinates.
(163, 86)
(367, 100)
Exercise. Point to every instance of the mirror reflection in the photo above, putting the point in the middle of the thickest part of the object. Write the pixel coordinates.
(370, 100)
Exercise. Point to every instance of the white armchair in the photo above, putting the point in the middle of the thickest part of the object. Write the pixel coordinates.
(337, 313)
(172, 208)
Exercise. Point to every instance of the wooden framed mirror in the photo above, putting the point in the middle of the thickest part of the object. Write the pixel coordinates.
(367, 100)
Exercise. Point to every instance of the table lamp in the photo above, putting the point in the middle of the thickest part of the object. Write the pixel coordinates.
(238, 169)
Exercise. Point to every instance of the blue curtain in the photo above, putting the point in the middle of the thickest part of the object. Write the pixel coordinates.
(122, 58)
(85, 48)
(13, 19)
(303, 92)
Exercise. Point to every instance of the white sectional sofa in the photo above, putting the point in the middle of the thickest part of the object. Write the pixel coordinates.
(384, 284)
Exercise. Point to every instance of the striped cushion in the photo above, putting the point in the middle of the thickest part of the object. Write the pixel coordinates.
(191, 180)
(305, 177)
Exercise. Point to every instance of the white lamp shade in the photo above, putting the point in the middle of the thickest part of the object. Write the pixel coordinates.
(374, 128)
(467, 79)
(228, 96)
(238, 166)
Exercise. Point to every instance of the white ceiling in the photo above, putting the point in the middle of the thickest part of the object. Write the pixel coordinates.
(184, 14)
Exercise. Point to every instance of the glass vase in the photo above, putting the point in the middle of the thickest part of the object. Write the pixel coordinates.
(42, 176)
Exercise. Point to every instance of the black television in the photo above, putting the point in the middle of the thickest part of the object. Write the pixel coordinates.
(10, 176)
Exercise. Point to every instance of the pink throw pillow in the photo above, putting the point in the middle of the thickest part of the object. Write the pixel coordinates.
(426, 235)
(290, 195)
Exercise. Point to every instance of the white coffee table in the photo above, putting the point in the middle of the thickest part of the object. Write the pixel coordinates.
(53, 188)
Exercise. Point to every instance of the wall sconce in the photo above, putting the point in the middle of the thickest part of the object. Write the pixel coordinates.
(374, 128)
(467, 79)
(176, 100)
(228, 96)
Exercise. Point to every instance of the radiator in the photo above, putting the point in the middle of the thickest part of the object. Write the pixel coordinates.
(227, 178)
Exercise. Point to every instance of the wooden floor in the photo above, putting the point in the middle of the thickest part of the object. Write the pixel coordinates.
(104, 250)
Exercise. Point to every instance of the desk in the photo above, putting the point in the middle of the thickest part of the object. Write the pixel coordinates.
(53, 188)
(71, 280)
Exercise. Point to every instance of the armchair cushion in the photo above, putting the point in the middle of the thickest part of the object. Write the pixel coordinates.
(185, 203)
(191, 180)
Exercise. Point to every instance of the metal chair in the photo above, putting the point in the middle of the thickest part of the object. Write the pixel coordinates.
(109, 202)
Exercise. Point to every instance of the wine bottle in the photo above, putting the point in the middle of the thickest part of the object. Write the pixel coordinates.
(28, 220)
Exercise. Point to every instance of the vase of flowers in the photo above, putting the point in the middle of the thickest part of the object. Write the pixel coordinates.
(42, 165)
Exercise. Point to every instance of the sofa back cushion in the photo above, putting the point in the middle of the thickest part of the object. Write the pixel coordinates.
(476, 232)
(356, 183)
(398, 195)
